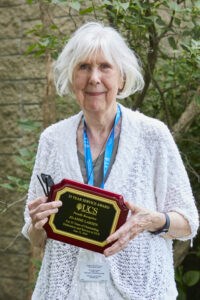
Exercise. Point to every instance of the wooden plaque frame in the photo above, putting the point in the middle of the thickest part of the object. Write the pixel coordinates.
(87, 217)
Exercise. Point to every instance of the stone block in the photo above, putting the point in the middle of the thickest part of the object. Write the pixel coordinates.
(10, 145)
(67, 27)
(9, 114)
(60, 10)
(13, 289)
(12, 220)
(9, 3)
(66, 107)
(9, 47)
(33, 92)
(33, 112)
(28, 41)
(9, 92)
(14, 265)
(10, 23)
(28, 25)
(22, 67)
(12, 245)
(8, 166)
(30, 138)
(30, 11)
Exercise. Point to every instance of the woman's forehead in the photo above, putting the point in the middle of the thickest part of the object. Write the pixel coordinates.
(96, 57)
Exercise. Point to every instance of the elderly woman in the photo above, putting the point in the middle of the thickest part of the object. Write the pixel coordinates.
(144, 165)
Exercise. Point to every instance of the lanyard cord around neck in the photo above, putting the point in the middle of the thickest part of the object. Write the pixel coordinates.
(108, 151)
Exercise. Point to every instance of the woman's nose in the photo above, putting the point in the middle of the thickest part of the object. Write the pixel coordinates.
(95, 77)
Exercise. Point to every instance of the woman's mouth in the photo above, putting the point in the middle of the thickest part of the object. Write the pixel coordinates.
(94, 93)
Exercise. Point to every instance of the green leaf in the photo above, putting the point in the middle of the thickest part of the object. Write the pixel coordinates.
(85, 11)
(28, 125)
(172, 42)
(174, 6)
(159, 21)
(14, 179)
(36, 262)
(30, 31)
(197, 99)
(181, 295)
(139, 4)
(25, 152)
(177, 21)
(39, 53)
(54, 55)
(75, 5)
(186, 33)
(54, 27)
(58, 1)
(8, 186)
(106, 2)
(185, 47)
(30, 49)
(124, 5)
(43, 43)
(190, 278)
(20, 160)
(197, 4)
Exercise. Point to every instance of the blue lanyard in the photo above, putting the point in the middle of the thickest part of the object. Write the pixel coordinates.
(108, 151)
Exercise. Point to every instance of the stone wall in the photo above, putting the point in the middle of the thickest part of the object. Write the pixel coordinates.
(22, 81)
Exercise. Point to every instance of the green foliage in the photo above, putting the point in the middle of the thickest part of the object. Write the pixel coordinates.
(184, 280)
(25, 159)
(37, 264)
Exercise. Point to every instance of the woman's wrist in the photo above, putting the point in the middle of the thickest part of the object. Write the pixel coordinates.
(158, 221)
(37, 236)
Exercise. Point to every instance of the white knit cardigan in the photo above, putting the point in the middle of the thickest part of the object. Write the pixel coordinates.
(147, 171)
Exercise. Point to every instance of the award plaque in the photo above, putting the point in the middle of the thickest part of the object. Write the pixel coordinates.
(87, 217)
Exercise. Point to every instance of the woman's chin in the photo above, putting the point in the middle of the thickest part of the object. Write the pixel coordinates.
(96, 106)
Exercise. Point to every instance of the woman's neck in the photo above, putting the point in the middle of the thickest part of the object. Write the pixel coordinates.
(99, 125)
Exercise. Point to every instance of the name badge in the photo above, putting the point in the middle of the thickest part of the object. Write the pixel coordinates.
(94, 272)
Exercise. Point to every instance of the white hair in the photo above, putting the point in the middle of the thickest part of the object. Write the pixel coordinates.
(85, 42)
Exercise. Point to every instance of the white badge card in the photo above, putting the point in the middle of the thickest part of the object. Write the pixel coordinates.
(94, 272)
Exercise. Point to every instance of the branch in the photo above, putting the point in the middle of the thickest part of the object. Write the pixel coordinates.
(187, 117)
(94, 10)
(169, 123)
(190, 168)
(151, 61)
(162, 35)
(71, 17)
(11, 243)
(12, 204)
(111, 19)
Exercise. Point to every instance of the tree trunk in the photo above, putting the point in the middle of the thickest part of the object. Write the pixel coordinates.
(187, 117)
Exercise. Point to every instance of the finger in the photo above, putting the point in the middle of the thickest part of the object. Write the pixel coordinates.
(131, 206)
(44, 207)
(39, 225)
(33, 204)
(42, 215)
(116, 247)
(123, 230)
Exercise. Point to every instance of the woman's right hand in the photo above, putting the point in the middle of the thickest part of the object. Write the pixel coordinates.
(39, 211)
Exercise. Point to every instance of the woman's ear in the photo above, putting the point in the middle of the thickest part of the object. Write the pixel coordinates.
(121, 84)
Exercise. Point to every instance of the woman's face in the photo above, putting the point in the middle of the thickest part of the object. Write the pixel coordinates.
(96, 82)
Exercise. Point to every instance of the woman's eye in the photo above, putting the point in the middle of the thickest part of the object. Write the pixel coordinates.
(84, 66)
(105, 66)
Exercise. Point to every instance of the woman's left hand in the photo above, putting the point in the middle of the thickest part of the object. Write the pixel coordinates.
(141, 219)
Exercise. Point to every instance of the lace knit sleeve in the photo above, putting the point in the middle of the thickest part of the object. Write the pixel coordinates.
(42, 158)
(172, 186)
